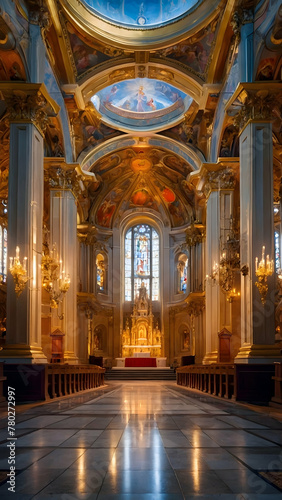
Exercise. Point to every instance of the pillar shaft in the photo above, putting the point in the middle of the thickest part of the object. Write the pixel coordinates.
(257, 230)
(63, 220)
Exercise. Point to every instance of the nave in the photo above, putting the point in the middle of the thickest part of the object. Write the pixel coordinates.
(144, 441)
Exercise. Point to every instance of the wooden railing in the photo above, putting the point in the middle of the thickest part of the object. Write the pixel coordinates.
(277, 398)
(216, 379)
(65, 380)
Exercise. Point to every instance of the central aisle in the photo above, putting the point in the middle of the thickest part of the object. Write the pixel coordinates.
(144, 441)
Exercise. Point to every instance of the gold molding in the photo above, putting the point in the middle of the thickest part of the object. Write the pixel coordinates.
(28, 103)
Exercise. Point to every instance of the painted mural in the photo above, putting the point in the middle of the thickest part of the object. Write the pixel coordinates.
(85, 57)
(140, 95)
(193, 52)
(141, 13)
(108, 206)
(142, 198)
(141, 103)
(175, 206)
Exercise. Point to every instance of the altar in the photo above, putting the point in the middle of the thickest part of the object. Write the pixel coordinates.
(143, 362)
(141, 335)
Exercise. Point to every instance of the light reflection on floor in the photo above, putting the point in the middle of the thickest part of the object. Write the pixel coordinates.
(143, 440)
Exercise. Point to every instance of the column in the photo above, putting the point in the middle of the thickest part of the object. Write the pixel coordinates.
(63, 234)
(28, 106)
(219, 183)
(256, 224)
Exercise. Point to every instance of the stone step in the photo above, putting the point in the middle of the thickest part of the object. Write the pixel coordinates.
(140, 374)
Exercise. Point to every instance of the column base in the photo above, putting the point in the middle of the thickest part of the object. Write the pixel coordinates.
(23, 354)
(258, 354)
(70, 358)
(210, 357)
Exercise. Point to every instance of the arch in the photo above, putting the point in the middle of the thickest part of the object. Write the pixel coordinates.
(140, 38)
(189, 153)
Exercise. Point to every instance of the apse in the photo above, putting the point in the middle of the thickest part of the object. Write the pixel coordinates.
(141, 13)
(141, 104)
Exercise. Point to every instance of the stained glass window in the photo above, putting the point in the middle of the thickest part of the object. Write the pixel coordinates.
(100, 268)
(141, 263)
(182, 267)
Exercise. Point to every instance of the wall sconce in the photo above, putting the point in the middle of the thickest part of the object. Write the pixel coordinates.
(211, 278)
(232, 294)
(264, 268)
(18, 271)
(54, 280)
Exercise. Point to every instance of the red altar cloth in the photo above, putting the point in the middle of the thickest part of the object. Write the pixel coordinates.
(140, 362)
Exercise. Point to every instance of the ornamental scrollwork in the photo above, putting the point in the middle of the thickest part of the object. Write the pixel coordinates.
(257, 106)
(220, 179)
(195, 234)
(196, 307)
(28, 108)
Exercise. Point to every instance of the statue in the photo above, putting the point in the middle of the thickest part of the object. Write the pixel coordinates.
(141, 300)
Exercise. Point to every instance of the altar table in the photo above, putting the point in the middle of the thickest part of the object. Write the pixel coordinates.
(141, 355)
(140, 362)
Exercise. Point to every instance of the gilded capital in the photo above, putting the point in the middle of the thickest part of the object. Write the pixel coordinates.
(28, 103)
(254, 102)
(39, 14)
(195, 303)
(220, 179)
(195, 234)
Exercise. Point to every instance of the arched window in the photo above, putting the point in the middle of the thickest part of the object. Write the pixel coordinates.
(182, 268)
(100, 273)
(142, 261)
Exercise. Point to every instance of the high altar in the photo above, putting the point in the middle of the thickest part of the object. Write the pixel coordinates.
(144, 335)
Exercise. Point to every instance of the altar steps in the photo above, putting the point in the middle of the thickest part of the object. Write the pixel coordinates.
(140, 374)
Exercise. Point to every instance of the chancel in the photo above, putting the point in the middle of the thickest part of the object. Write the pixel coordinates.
(140, 217)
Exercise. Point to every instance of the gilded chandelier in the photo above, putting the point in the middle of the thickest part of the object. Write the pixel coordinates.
(19, 272)
(264, 268)
(229, 264)
(54, 279)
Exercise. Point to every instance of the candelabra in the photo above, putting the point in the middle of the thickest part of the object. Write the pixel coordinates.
(264, 268)
(229, 264)
(19, 272)
(54, 279)
(212, 277)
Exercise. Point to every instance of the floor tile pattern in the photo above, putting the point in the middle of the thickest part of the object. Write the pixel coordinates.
(143, 441)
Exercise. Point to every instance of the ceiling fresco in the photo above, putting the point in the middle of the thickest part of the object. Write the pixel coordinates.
(141, 104)
(137, 13)
(147, 179)
(196, 51)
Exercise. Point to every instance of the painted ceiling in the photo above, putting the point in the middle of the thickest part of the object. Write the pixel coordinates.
(141, 13)
(141, 104)
(146, 179)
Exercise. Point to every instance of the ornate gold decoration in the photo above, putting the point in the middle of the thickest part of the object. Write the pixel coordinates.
(122, 74)
(264, 268)
(28, 103)
(54, 280)
(229, 263)
(239, 18)
(254, 101)
(160, 74)
(196, 303)
(39, 14)
(19, 272)
(195, 234)
(219, 179)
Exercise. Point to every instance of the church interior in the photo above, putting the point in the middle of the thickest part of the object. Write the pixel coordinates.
(140, 236)
(140, 183)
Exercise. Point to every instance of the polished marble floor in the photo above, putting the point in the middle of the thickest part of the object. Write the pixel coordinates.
(143, 441)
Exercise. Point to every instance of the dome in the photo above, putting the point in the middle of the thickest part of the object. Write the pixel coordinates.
(141, 13)
(141, 104)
